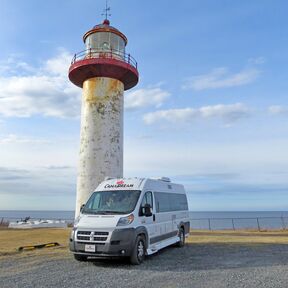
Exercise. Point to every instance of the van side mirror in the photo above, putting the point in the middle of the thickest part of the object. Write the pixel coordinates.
(82, 207)
(147, 210)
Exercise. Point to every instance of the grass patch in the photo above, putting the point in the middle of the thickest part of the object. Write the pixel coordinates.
(238, 236)
(12, 239)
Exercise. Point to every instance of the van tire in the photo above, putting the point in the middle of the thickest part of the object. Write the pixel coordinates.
(139, 250)
(80, 257)
(181, 235)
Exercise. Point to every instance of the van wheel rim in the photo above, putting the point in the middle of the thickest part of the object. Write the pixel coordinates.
(140, 249)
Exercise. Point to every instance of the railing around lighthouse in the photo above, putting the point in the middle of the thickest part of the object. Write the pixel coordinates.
(106, 54)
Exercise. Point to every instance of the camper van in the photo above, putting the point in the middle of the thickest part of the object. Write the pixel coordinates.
(131, 217)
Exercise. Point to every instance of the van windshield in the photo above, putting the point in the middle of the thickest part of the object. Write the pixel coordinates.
(112, 202)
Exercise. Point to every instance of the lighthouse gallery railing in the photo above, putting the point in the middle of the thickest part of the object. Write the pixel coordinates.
(106, 54)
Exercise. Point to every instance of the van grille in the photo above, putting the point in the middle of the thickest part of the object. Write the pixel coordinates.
(91, 236)
(96, 243)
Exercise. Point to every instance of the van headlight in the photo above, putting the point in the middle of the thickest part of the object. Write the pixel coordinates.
(72, 234)
(125, 220)
(76, 221)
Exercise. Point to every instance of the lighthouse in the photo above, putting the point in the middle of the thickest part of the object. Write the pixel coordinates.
(104, 70)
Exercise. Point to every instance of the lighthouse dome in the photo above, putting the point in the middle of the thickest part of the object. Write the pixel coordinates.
(105, 27)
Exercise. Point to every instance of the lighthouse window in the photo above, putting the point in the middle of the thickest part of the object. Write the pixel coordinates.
(106, 41)
(121, 45)
(105, 46)
(114, 42)
(87, 43)
(91, 41)
(102, 37)
(117, 44)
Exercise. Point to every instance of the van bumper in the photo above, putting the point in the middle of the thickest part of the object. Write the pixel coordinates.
(121, 243)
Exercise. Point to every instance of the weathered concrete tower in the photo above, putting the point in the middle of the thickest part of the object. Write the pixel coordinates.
(104, 70)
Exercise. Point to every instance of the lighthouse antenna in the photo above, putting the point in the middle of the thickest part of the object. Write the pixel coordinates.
(106, 11)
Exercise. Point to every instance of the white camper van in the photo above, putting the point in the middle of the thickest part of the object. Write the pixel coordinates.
(131, 217)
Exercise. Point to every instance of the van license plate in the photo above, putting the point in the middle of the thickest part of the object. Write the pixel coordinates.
(90, 248)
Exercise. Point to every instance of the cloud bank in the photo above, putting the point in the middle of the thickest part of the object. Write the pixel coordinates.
(43, 91)
(26, 91)
(12, 138)
(221, 78)
(142, 98)
(278, 110)
(226, 113)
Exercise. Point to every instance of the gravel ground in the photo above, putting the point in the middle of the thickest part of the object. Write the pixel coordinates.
(194, 265)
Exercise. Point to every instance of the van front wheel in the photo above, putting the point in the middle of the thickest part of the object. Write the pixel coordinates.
(138, 253)
(181, 235)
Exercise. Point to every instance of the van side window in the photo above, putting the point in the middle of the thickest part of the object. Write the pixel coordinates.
(147, 199)
(166, 202)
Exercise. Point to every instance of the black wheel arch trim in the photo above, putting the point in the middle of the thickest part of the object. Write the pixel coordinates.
(186, 226)
(142, 230)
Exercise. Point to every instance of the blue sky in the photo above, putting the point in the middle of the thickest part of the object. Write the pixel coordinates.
(210, 110)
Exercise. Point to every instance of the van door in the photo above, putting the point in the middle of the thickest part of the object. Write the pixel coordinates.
(148, 222)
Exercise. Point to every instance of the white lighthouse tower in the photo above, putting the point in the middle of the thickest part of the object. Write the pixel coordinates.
(104, 70)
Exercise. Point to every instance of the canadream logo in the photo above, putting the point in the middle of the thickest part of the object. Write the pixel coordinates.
(119, 184)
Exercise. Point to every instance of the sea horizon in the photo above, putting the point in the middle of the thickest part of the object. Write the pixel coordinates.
(59, 210)
(215, 220)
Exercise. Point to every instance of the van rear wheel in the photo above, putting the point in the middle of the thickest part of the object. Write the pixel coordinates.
(139, 250)
(181, 235)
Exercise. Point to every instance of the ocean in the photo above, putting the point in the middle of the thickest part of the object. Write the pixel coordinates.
(198, 220)
(13, 215)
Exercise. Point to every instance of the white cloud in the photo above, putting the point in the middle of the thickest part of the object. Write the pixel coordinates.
(142, 98)
(13, 64)
(257, 60)
(27, 91)
(171, 115)
(46, 90)
(221, 78)
(12, 138)
(60, 64)
(227, 113)
(278, 110)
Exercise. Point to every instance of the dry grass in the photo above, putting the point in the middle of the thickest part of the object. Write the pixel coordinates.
(12, 239)
(239, 236)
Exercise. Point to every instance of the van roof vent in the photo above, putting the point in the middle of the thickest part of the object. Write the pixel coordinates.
(108, 178)
(165, 179)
